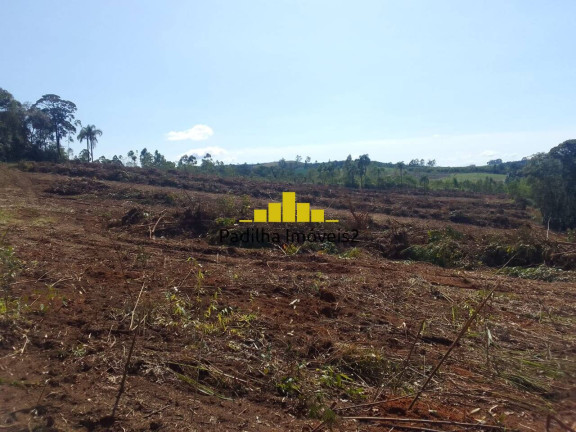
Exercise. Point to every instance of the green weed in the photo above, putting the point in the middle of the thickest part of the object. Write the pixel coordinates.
(288, 386)
(333, 378)
(79, 350)
(445, 253)
(9, 268)
(5, 217)
(224, 221)
(442, 248)
(291, 248)
(542, 272)
(351, 253)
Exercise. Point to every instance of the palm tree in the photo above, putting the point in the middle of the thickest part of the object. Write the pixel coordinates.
(90, 134)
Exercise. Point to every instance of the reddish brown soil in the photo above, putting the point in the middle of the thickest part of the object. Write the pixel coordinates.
(257, 339)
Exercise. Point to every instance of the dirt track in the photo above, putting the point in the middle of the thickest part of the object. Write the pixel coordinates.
(256, 339)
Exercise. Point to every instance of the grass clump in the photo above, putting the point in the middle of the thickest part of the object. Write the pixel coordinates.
(5, 217)
(368, 365)
(333, 378)
(541, 272)
(9, 268)
(351, 253)
(288, 386)
(524, 248)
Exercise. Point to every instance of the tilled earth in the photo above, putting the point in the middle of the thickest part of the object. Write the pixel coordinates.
(116, 319)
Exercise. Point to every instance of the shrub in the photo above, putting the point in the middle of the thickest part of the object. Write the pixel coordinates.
(442, 249)
(519, 254)
(445, 253)
(542, 272)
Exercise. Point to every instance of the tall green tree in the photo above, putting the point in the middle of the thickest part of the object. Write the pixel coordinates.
(90, 133)
(401, 166)
(187, 161)
(61, 113)
(552, 179)
(159, 161)
(13, 132)
(84, 155)
(363, 162)
(39, 128)
(132, 158)
(146, 158)
(350, 170)
(207, 163)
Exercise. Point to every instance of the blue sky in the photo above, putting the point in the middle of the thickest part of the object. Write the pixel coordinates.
(253, 81)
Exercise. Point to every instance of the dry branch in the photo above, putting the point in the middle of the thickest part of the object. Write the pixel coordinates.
(369, 404)
(560, 422)
(437, 422)
(152, 230)
(123, 382)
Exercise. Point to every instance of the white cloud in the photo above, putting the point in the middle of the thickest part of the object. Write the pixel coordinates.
(197, 133)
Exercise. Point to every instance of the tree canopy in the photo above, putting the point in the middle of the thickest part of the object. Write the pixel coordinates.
(552, 178)
(61, 114)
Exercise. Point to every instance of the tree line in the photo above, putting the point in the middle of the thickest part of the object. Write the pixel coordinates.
(546, 180)
(39, 131)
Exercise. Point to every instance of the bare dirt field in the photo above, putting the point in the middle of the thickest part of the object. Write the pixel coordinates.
(121, 287)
